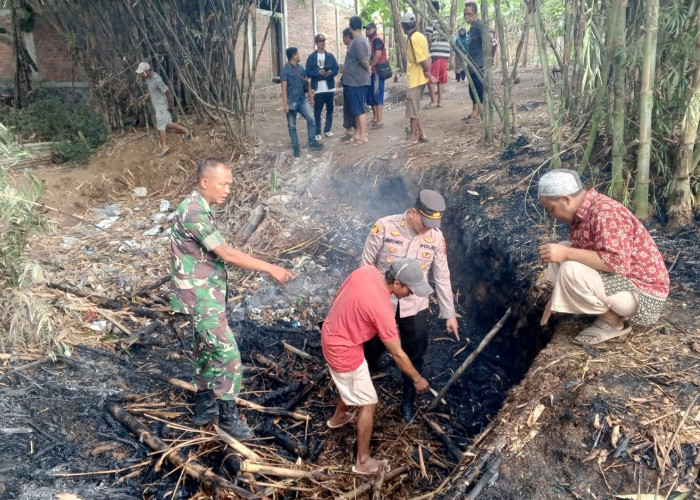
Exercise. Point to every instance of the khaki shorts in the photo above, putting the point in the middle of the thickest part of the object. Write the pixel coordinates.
(163, 119)
(356, 387)
(413, 101)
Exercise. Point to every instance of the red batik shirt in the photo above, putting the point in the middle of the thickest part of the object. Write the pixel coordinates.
(621, 241)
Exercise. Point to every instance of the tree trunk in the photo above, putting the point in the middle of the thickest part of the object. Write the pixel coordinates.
(504, 69)
(681, 210)
(398, 36)
(569, 9)
(553, 113)
(16, 57)
(526, 46)
(521, 44)
(487, 108)
(601, 94)
(646, 104)
(617, 184)
(454, 6)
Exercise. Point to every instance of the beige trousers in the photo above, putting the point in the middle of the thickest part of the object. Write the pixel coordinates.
(579, 289)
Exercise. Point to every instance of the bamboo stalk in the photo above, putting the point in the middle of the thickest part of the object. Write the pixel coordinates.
(552, 111)
(617, 186)
(646, 104)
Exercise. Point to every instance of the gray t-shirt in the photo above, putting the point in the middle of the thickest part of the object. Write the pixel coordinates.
(354, 75)
(157, 90)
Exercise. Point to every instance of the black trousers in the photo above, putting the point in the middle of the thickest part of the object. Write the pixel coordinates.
(413, 331)
(320, 100)
(477, 85)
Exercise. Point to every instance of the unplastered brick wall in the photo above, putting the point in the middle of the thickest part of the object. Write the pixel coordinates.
(51, 54)
(53, 58)
(331, 19)
(6, 55)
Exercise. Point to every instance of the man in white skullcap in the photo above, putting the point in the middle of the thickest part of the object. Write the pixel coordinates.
(162, 101)
(610, 269)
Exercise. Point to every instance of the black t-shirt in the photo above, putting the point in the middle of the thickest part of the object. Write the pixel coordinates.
(476, 49)
(377, 44)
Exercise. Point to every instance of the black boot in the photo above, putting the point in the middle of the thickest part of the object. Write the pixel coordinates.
(230, 421)
(206, 410)
(408, 402)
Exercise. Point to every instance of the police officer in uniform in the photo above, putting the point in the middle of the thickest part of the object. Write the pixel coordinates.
(415, 234)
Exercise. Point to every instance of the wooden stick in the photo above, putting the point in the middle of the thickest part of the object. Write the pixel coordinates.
(179, 459)
(114, 321)
(353, 494)
(268, 363)
(237, 445)
(465, 364)
(299, 352)
(272, 470)
(298, 415)
(490, 474)
(379, 481)
(449, 444)
(136, 336)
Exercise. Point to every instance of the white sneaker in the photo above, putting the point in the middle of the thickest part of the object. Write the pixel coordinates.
(328, 134)
(318, 137)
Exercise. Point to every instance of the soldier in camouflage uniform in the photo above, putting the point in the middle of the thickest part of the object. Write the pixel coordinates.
(199, 278)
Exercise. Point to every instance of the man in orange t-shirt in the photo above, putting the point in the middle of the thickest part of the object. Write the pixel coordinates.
(360, 311)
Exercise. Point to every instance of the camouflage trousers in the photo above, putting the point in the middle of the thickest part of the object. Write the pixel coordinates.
(217, 362)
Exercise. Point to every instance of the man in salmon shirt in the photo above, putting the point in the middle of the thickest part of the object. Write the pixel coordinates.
(361, 310)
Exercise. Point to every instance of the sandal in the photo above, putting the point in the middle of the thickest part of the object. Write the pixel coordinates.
(600, 332)
(351, 419)
(384, 463)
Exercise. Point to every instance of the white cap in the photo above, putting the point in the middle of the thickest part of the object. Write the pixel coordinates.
(559, 182)
(143, 66)
(408, 17)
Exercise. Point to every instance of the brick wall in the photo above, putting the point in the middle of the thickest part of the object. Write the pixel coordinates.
(53, 58)
(331, 18)
(6, 56)
(51, 55)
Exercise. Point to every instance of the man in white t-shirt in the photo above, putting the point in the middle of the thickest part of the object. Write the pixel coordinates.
(322, 67)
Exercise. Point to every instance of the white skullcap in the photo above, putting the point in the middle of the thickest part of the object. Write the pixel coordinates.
(559, 182)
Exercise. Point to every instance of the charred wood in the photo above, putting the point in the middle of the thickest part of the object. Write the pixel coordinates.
(309, 386)
(179, 459)
(361, 490)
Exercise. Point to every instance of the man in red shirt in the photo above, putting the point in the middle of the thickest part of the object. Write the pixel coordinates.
(611, 269)
(360, 311)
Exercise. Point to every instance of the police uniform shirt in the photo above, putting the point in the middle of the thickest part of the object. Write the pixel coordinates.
(391, 238)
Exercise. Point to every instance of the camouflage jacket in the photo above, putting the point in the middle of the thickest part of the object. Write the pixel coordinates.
(198, 274)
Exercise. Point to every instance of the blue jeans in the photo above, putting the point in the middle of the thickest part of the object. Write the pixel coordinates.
(302, 106)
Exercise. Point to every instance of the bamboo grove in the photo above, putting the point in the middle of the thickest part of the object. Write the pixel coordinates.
(626, 107)
(195, 44)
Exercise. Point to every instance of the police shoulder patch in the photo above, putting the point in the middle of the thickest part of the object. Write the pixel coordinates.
(376, 229)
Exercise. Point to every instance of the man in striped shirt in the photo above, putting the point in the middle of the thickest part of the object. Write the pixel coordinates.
(439, 55)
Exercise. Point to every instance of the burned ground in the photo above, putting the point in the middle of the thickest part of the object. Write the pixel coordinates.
(560, 420)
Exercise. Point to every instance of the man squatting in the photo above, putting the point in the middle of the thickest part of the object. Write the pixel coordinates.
(199, 279)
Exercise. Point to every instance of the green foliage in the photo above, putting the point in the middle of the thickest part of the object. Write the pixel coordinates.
(77, 129)
(25, 319)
